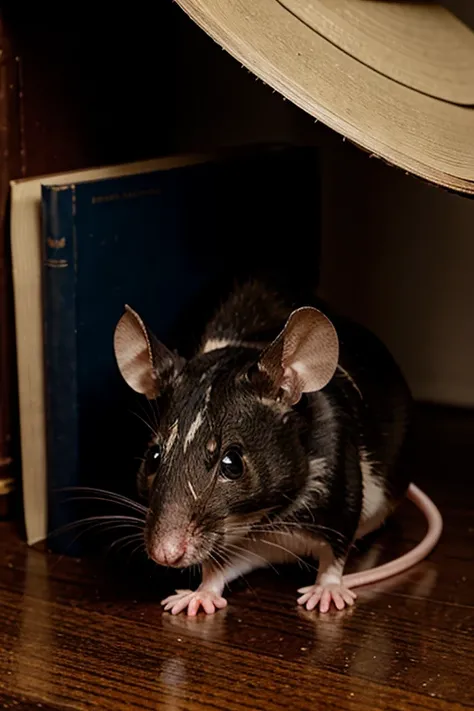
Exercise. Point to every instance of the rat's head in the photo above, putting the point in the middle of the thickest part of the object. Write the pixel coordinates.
(228, 450)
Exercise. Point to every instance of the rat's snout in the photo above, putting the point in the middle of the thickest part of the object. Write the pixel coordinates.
(172, 544)
(170, 550)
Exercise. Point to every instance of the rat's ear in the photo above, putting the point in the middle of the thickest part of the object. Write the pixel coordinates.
(146, 364)
(304, 356)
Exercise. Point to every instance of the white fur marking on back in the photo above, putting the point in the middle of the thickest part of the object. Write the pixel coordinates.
(317, 476)
(288, 547)
(374, 503)
(315, 484)
(196, 424)
(215, 344)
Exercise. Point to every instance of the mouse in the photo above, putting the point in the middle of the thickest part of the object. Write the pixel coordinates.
(284, 436)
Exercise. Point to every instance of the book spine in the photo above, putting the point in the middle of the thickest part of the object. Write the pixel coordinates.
(59, 308)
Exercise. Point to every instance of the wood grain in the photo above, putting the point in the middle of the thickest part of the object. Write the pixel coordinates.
(91, 634)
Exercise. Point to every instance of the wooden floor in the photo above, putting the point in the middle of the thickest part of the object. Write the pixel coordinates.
(91, 635)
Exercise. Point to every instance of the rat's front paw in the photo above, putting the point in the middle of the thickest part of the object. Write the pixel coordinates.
(324, 594)
(193, 600)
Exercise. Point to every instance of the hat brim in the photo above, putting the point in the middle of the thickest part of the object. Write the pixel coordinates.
(423, 135)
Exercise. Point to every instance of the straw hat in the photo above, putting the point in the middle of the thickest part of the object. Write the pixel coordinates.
(396, 78)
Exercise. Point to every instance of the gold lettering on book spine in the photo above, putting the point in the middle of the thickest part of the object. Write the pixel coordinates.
(57, 263)
(56, 243)
(128, 195)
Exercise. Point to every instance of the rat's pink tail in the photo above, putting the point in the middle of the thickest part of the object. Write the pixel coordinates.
(433, 533)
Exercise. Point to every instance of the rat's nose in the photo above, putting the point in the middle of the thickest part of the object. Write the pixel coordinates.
(169, 551)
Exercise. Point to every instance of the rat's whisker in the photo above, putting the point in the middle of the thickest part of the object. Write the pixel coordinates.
(288, 551)
(243, 553)
(280, 526)
(147, 424)
(102, 498)
(239, 550)
(104, 526)
(112, 495)
(154, 413)
(150, 414)
(304, 504)
(216, 562)
(130, 537)
(303, 525)
(229, 562)
(123, 543)
(127, 541)
(138, 548)
(128, 520)
(231, 554)
(226, 556)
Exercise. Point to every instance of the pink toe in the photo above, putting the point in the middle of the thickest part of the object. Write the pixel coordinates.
(301, 600)
(313, 601)
(220, 602)
(338, 601)
(325, 601)
(348, 596)
(208, 606)
(193, 607)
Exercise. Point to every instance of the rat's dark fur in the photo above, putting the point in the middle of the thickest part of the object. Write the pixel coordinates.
(367, 408)
(323, 464)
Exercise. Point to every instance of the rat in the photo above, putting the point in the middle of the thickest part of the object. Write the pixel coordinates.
(286, 435)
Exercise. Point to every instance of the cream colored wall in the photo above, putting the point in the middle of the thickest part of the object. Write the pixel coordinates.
(397, 254)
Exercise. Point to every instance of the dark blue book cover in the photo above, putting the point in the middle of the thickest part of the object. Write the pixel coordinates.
(170, 243)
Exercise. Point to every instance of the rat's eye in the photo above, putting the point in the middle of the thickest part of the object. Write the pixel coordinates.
(153, 459)
(232, 465)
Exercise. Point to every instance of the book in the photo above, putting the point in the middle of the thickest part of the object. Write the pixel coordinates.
(167, 236)
(403, 92)
(36, 138)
